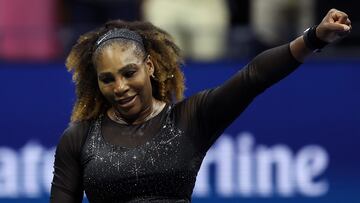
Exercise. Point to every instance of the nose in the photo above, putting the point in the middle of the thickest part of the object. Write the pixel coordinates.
(121, 87)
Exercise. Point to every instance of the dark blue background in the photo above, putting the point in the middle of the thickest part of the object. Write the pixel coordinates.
(318, 104)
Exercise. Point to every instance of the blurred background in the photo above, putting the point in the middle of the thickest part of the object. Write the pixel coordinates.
(297, 142)
(206, 30)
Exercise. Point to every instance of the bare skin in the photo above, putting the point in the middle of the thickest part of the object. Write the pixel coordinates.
(334, 26)
(124, 80)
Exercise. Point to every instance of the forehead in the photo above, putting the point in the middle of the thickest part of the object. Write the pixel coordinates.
(115, 56)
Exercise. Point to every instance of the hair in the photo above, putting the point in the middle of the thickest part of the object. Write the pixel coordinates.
(165, 55)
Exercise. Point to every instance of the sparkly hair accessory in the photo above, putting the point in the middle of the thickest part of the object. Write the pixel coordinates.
(120, 33)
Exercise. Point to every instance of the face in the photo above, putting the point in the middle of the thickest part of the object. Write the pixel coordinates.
(124, 79)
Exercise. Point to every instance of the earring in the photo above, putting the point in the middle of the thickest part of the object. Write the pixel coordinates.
(153, 77)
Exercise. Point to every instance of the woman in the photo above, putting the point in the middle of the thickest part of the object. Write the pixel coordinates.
(132, 138)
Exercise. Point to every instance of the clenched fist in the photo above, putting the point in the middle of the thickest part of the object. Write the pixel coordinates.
(335, 25)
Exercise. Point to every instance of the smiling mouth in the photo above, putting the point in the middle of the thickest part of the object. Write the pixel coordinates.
(127, 101)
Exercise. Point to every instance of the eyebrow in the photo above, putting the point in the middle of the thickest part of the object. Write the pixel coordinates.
(120, 71)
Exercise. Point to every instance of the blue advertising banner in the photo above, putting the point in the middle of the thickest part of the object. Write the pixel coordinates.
(297, 142)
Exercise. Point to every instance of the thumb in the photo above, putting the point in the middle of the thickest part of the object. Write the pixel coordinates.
(338, 27)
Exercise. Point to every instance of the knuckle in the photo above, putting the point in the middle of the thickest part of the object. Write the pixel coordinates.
(333, 10)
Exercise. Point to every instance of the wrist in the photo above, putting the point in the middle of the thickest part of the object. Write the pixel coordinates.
(311, 40)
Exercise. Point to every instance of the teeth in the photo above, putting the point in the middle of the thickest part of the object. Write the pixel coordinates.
(126, 100)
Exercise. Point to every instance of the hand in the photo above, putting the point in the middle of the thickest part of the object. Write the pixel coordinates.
(334, 26)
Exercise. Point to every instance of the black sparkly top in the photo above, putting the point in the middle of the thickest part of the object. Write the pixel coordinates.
(158, 160)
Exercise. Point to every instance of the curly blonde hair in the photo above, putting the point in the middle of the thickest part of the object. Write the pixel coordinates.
(165, 54)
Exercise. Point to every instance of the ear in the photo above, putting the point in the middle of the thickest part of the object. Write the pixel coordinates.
(149, 65)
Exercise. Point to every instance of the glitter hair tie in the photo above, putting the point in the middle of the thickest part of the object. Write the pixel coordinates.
(122, 33)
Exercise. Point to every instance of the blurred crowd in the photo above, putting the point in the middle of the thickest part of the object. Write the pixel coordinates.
(206, 30)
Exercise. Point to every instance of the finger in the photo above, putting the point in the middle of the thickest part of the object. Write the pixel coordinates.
(338, 27)
(332, 16)
(344, 33)
(339, 16)
(348, 22)
(342, 17)
(333, 10)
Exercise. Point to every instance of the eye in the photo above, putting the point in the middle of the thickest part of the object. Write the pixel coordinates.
(129, 73)
(106, 80)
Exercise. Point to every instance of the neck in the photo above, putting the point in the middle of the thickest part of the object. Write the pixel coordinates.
(151, 111)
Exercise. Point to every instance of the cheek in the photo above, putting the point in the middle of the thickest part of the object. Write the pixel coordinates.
(146, 88)
(106, 92)
(144, 91)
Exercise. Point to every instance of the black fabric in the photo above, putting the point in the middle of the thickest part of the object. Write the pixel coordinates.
(158, 160)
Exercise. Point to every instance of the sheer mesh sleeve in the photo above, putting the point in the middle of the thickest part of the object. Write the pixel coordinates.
(67, 181)
(220, 106)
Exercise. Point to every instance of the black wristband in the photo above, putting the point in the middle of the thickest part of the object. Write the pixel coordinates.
(312, 41)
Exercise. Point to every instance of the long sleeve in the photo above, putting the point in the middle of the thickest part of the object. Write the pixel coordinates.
(67, 181)
(218, 107)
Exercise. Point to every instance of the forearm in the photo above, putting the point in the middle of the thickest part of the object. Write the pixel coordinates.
(264, 70)
(225, 103)
(299, 50)
(231, 98)
(270, 67)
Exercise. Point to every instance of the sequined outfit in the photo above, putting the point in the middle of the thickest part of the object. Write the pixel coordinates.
(158, 160)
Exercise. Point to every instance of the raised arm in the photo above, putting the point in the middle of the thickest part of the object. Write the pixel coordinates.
(220, 106)
(334, 26)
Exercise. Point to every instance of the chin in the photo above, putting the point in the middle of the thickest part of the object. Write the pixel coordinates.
(130, 112)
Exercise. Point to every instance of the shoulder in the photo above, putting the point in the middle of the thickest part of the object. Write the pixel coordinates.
(196, 100)
(77, 129)
(74, 135)
(193, 105)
